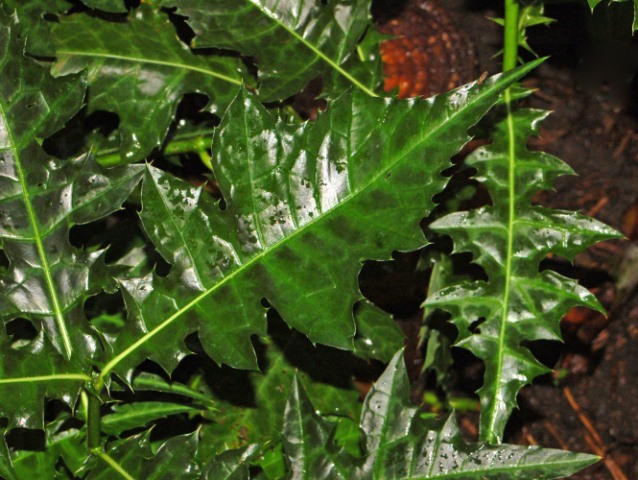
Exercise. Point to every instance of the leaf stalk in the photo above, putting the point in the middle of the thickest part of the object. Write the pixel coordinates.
(197, 142)
(510, 36)
(93, 423)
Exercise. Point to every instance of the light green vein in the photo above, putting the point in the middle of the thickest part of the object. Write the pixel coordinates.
(492, 434)
(46, 268)
(163, 63)
(312, 48)
(62, 377)
(113, 464)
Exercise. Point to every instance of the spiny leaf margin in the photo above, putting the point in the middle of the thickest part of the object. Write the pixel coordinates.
(47, 280)
(509, 240)
(400, 443)
(140, 70)
(296, 197)
(292, 41)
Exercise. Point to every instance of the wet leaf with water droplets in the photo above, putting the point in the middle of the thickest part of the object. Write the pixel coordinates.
(304, 261)
(46, 280)
(399, 443)
(140, 70)
(509, 240)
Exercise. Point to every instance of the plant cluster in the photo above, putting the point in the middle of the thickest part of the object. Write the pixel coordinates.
(124, 284)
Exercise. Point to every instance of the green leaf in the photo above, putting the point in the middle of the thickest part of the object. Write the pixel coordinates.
(134, 458)
(231, 465)
(433, 334)
(266, 392)
(128, 416)
(113, 6)
(47, 280)
(292, 41)
(140, 70)
(298, 198)
(401, 444)
(378, 335)
(365, 65)
(529, 16)
(509, 239)
(7, 470)
(303, 429)
(149, 382)
(66, 444)
(36, 29)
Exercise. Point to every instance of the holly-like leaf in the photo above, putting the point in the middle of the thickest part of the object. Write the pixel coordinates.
(231, 464)
(47, 280)
(140, 70)
(400, 443)
(34, 25)
(265, 393)
(316, 198)
(509, 239)
(135, 458)
(132, 415)
(292, 41)
(378, 335)
(61, 443)
(304, 428)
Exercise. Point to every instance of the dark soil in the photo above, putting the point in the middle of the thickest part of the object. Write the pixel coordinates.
(590, 404)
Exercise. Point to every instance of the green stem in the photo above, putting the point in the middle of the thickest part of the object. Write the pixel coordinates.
(93, 437)
(510, 36)
(197, 142)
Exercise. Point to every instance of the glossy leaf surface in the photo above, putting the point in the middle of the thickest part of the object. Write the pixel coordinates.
(140, 70)
(36, 29)
(378, 335)
(231, 465)
(292, 41)
(47, 280)
(154, 383)
(298, 199)
(259, 417)
(136, 458)
(401, 444)
(62, 445)
(509, 240)
(138, 414)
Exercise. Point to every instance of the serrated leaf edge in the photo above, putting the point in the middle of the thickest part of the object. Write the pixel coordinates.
(110, 365)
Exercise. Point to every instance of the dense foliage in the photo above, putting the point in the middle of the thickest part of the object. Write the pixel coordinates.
(124, 284)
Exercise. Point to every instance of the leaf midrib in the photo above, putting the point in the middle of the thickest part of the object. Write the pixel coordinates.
(462, 474)
(46, 268)
(493, 434)
(133, 59)
(180, 231)
(47, 378)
